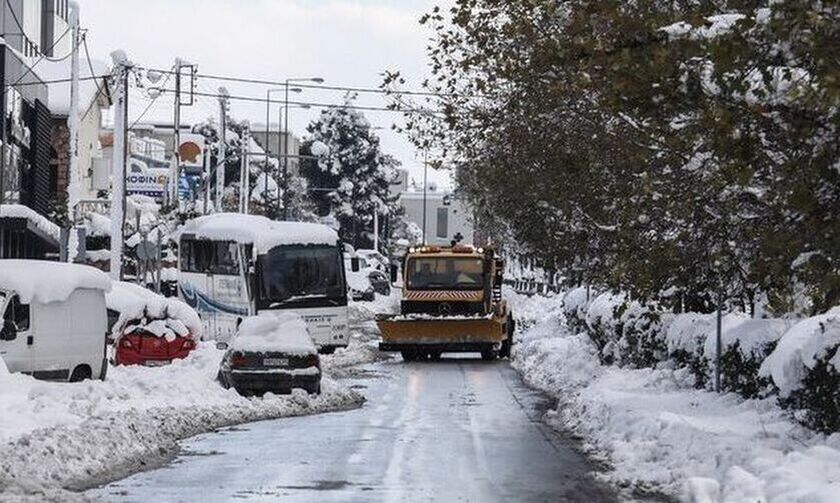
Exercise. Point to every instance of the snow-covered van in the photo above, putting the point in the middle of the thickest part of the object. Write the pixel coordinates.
(232, 266)
(54, 319)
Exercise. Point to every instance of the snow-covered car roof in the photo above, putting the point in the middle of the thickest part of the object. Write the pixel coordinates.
(263, 233)
(47, 281)
(165, 317)
(276, 333)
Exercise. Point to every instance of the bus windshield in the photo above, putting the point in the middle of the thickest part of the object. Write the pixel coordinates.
(301, 275)
(444, 273)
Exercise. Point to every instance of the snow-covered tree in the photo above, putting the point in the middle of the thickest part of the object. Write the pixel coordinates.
(351, 176)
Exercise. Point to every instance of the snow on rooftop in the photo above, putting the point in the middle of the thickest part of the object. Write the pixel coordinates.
(49, 281)
(41, 222)
(282, 332)
(59, 92)
(263, 233)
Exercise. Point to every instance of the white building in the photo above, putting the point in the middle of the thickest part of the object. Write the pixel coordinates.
(446, 217)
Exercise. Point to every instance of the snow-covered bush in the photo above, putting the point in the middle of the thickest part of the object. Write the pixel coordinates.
(575, 304)
(745, 343)
(602, 324)
(642, 329)
(805, 367)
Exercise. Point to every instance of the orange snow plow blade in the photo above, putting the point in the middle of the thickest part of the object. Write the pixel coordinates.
(447, 334)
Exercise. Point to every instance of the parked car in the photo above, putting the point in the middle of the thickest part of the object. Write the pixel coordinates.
(54, 319)
(380, 282)
(374, 259)
(271, 353)
(149, 329)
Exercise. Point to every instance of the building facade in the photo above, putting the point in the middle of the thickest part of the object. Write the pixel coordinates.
(446, 218)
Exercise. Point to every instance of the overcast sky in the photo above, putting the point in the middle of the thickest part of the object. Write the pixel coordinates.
(346, 42)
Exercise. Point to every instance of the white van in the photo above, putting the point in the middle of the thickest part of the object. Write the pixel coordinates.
(54, 319)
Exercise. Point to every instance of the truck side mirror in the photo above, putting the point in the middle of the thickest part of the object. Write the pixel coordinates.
(355, 264)
(395, 272)
(9, 331)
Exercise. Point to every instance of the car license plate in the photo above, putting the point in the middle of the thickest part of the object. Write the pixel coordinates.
(275, 362)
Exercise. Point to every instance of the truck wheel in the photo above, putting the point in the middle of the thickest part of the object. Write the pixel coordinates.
(489, 355)
(408, 356)
(505, 351)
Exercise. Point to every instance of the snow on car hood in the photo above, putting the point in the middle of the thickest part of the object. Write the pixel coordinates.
(163, 317)
(274, 332)
(49, 281)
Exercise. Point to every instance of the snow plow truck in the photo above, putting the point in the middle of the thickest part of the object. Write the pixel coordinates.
(451, 302)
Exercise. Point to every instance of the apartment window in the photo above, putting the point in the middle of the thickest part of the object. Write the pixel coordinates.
(442, 222)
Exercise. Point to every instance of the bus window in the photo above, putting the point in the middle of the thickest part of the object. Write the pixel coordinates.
(225, 260)
(209, 257)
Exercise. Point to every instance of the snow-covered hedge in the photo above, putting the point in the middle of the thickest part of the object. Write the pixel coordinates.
(805, 367)
(798, 361)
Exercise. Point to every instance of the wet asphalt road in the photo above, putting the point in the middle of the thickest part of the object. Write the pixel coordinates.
(455, 430)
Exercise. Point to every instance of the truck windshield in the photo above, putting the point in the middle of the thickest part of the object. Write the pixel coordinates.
(444, 273)
(301, 275)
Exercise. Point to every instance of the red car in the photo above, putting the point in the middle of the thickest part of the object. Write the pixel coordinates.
(145, 348)
(149, 329)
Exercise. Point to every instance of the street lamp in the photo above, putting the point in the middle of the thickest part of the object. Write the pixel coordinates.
(317, 80)
(268, 129)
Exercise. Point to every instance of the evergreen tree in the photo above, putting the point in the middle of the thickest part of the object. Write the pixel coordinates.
(351, 177)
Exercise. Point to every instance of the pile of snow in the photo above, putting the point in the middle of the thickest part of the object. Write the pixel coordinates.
(46, 281)
(263, 233)
(281, 332)
(801, 347)
(141, 308)
(38, 220)
(55, 435)
(752, 336)
(660, 435)
(97, 225)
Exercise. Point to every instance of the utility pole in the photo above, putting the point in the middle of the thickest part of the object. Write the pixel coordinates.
(425, 185)
(222, 160)
(376, 228)
(119, 158)
(73, 123)
(174, 173)
(245, 172)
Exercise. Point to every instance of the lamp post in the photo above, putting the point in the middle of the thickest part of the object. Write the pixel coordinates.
(317, 80)
(268, 129)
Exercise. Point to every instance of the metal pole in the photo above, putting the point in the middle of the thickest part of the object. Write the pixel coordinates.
(73, 121)
(267, 127)
(280, 198)
(245, 178)
(176, 158)
(425, 185)
(207, 174)
(376, 229)
(718, 343)
(286, 154)
(222, 158)
(118, 188)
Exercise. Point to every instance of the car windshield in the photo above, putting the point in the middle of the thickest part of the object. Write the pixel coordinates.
(438, 273)
(294, 273)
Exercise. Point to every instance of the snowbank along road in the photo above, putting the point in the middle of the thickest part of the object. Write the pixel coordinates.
(456, 430)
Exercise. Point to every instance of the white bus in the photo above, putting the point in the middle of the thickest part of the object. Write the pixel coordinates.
(232, 266)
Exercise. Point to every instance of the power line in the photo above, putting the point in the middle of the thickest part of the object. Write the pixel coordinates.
(149, 106)
(92, 76)
(368, 90)
(311, 104)
(42, 58)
